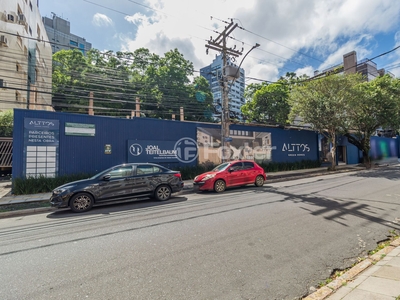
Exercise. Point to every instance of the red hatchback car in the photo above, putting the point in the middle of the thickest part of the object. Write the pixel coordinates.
(229, 174)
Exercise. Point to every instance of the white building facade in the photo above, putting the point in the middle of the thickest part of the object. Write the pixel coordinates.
(25, 57)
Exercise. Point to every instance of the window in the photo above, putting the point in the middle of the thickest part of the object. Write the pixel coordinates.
(30, 30)
(73, 43)
(30, 5)
(121, 172)
(37, 53)
(248, 165)
(236, 166)
(17, 96)
(19, 40)
(38, 31)
(147, 169)
(18, 67)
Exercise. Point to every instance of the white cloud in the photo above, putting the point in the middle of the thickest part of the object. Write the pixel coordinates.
(325, 30)
(101, 20)
(394, 66)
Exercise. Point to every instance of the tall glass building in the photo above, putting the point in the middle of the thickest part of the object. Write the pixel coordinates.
(213, 73)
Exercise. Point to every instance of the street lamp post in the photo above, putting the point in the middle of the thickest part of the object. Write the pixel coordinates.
(225, 119)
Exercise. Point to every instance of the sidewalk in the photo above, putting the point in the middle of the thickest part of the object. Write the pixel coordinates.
(376, 278)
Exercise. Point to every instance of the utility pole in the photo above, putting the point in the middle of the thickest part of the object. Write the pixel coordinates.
(219, 44)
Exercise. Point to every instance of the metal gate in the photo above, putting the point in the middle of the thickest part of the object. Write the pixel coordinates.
(6, 147)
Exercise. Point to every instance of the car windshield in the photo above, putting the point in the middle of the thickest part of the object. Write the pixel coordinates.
(221, 167)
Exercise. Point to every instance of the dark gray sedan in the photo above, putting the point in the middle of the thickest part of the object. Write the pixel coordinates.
(122, 182)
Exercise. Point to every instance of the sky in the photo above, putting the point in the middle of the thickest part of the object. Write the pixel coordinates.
(299, 36)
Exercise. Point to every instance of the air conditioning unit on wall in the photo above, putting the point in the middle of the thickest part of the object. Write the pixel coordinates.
(3, 41)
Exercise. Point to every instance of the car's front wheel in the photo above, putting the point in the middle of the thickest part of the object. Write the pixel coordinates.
(259, 180)
(219, 186)
(162, 193)
(81, 202)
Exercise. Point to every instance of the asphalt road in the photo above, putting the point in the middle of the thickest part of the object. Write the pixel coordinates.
(274, 242)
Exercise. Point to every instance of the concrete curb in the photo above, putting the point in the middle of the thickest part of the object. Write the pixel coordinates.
(350, 275)
(26, 212)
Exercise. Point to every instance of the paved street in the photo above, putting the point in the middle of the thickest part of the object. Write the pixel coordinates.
(275, 242)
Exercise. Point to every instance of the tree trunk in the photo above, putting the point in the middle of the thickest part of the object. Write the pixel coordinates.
(365, 151)
(333, 152)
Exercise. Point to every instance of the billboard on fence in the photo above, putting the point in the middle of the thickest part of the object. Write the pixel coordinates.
(41, 143)
(244, 144)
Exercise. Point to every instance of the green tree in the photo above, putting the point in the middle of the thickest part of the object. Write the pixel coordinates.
(6, 123)
(322, 103)
(269, 104)
(160, 82)
(199, 106)
(375, 104)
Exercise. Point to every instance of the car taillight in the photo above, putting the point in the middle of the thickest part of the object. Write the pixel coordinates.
(177, 175)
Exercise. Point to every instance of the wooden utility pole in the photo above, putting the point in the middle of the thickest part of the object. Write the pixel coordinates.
(137, 107)
(91, 111)
(219, 44)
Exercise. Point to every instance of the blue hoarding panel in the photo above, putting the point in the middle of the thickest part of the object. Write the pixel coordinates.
(170, 143)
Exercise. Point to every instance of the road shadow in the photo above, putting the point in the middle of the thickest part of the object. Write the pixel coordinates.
(388, 172)
(337, 210)
(116, 207)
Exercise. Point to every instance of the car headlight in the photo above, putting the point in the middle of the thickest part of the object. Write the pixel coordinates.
(59, 191)
(207, 177)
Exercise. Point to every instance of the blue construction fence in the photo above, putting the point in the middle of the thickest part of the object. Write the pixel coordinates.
(54, 143)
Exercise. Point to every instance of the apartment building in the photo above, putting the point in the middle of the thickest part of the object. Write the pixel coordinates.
(25, 57)
(213, 73)
(350, 65)
(59, 33)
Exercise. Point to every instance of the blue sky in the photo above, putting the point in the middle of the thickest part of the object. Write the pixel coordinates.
(294, 35)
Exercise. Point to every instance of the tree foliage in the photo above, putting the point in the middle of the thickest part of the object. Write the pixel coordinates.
(376, 104)
(268, 103)
(161, 83)
(322, 104)
(6, 123)
(350, 106)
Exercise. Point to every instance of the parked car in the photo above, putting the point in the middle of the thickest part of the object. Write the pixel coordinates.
(122, 182)
(229, 174)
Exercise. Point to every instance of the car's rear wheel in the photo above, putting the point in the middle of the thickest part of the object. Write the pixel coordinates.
(162, 193)
(81, 202)
(259, 180)
(219, 186)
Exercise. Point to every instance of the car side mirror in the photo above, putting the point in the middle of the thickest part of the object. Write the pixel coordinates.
(107, 177)
(231, 170)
